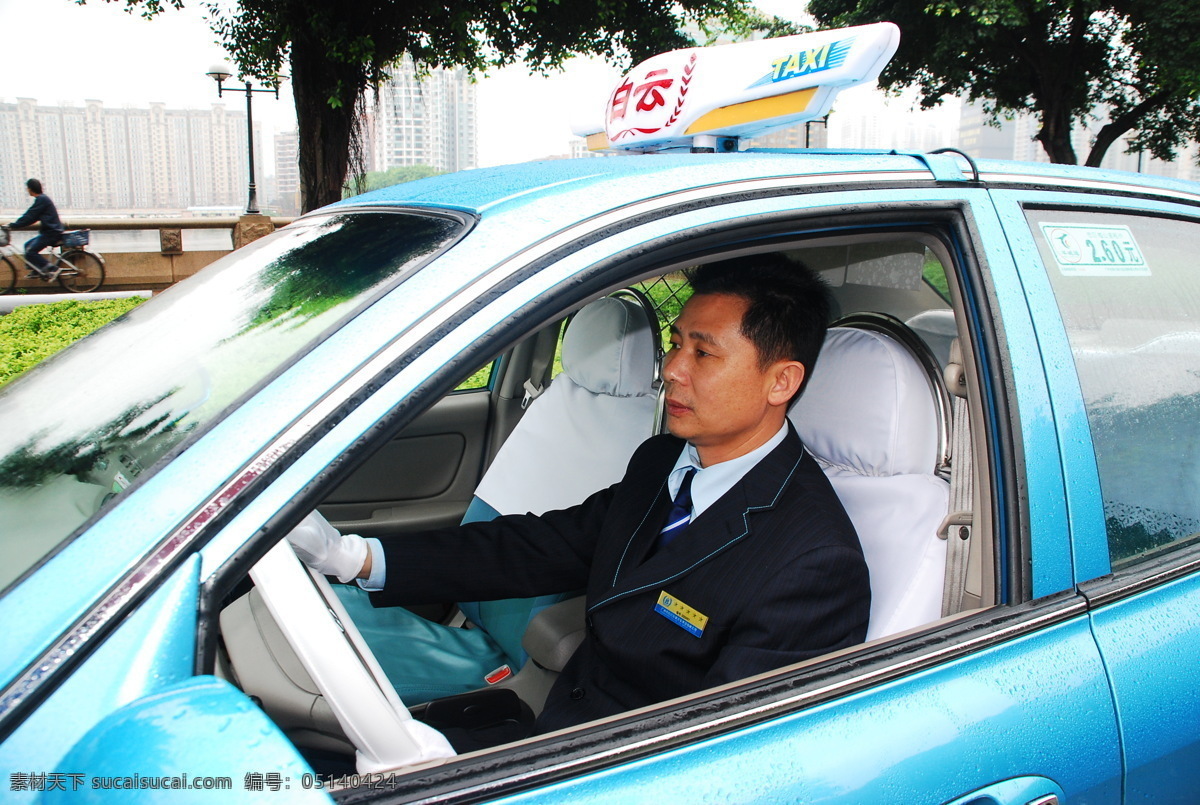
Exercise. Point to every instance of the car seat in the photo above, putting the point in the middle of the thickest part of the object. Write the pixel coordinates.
(875, 417)
(601, 406)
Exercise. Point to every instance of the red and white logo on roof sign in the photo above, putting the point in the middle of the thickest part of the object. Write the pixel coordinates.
(639, 105)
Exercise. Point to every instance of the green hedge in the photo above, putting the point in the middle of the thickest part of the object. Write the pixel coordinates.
(32, 333)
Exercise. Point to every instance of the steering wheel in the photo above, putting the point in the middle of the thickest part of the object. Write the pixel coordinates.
(335, 655)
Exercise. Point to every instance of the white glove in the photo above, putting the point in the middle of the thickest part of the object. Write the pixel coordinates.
(321, 547)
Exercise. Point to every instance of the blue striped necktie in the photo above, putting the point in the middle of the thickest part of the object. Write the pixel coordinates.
(680, 514)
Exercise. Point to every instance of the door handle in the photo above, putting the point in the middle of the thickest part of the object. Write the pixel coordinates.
(1028, 790)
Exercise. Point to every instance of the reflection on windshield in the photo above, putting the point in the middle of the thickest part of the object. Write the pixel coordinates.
(97, 416)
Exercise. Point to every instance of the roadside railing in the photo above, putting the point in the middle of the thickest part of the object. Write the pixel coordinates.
(154, 253)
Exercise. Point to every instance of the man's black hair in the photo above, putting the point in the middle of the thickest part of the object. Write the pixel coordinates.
(789, 305)
(35, 186)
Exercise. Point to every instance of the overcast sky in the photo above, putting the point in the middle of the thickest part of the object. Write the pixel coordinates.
(59, 52)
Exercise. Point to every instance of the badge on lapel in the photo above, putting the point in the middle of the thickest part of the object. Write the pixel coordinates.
(680, 614)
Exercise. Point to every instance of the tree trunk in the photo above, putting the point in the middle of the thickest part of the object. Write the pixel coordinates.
(1119, 125)
(1055, 137)
(324, 130)
(1056, 96)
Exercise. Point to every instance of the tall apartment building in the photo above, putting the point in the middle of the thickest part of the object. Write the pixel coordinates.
(1014, 139)
(812, 134)
(423, 120)
(894, 125)
(287, 173)
(93, 158)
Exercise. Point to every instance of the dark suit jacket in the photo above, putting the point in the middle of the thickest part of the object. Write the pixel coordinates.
(43, 210)
(774, 565)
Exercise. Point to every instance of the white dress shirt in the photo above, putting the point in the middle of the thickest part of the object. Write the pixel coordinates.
(710, 483)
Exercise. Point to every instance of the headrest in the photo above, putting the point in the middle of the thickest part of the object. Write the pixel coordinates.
(609, 348)
(868, 408)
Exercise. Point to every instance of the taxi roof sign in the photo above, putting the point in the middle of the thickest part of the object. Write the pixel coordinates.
(697, 96)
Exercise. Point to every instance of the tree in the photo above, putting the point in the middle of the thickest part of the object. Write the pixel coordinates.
(376, 180)
(1133, 64)
(335, 52)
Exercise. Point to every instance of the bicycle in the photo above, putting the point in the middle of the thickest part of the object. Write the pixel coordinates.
(76, 268)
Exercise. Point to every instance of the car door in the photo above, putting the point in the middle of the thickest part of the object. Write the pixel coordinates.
(1124, 327)
(985, 707)
(992, 703)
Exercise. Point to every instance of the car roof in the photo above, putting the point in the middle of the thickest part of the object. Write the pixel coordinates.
(622, 179)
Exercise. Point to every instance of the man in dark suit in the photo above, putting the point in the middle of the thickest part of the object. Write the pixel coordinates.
(722, 553)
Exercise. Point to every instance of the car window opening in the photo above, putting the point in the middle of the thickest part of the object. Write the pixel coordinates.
(895, 324)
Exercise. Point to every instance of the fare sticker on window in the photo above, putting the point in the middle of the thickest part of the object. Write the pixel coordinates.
(1095, 251)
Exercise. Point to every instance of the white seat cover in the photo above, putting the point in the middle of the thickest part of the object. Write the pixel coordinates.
(578, 436)
(868, 417)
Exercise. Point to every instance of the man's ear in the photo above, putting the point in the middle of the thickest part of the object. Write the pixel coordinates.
(786, 379)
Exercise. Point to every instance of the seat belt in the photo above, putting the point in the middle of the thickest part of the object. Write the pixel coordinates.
(540, 365)
(957, 527)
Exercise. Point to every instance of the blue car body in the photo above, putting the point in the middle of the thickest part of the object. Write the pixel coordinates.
(1074, 679)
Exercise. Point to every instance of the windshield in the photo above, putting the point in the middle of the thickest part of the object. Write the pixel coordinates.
(96, 417)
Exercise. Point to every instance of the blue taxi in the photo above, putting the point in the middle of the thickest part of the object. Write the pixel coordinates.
(1008, 404)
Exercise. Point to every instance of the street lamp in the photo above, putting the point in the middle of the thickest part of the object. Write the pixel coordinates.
(218, 73)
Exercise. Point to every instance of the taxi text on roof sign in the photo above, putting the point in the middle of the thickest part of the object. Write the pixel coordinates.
(695, 97)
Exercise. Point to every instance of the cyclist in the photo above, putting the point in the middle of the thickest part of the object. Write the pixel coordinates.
(49, 232)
